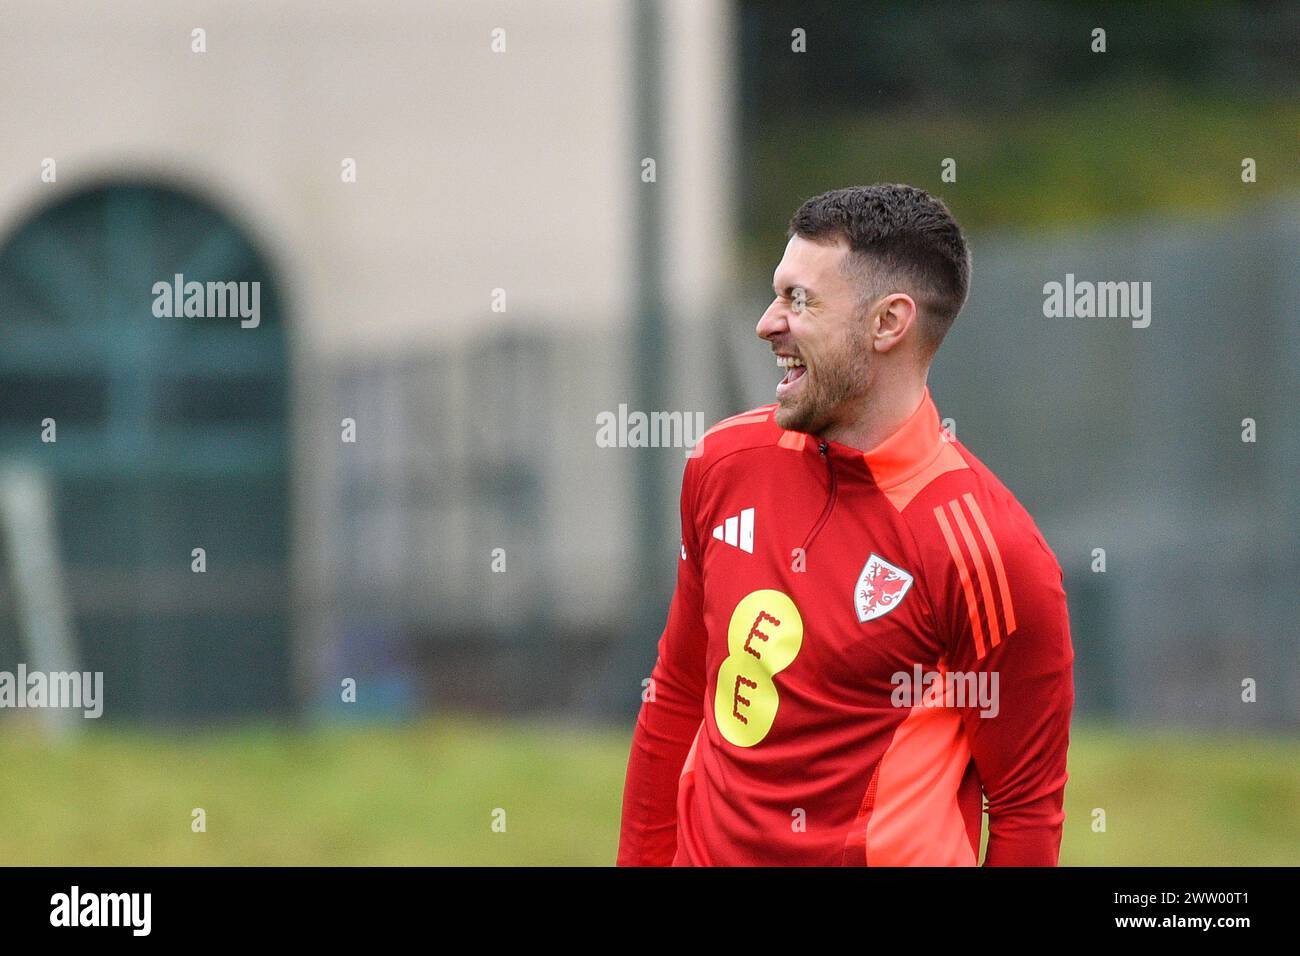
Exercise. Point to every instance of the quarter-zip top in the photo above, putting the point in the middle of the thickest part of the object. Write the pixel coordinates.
(775, 683)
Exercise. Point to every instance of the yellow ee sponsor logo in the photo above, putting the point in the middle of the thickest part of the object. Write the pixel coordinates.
(763, 638)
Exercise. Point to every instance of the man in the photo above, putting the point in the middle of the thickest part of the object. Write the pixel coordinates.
(869, 634)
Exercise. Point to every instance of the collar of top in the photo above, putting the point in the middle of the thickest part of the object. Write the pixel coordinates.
(912, 448)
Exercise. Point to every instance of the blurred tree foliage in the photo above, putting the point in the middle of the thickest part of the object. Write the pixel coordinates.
(1044, 131)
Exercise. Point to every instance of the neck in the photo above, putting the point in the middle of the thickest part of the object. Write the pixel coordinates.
(878, 414)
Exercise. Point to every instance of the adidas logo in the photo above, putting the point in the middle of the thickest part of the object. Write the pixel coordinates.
(738, 531)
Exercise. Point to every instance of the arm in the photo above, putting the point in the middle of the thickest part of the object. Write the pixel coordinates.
(667, 723)
(1020, 750)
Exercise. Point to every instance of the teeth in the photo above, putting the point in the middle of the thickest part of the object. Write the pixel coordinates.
(787, 361)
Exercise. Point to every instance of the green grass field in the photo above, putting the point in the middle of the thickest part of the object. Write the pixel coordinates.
(425, 794)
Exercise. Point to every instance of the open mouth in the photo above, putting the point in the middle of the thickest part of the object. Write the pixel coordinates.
(795, 373)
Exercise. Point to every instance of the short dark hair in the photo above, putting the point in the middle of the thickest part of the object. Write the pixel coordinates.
(905, 238)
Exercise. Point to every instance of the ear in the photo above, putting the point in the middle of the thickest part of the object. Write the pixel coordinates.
(894, 317)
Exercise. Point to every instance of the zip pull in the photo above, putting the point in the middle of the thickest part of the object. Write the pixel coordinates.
(824, 449)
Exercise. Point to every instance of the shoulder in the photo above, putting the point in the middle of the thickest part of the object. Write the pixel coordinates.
(973, 529)
(751, 429)
(988, 568)
(1005, 514)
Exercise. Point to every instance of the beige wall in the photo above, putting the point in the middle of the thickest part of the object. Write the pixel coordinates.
(475, 170)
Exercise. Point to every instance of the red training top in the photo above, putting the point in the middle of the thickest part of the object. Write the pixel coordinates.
(860, 647)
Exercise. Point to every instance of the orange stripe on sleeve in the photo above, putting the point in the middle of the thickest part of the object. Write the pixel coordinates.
(733, 421)
(998, 568)
(981, 570)
(955, 549)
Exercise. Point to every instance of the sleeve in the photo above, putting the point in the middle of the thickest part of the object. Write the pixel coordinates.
(1009, 626)
(668, 720)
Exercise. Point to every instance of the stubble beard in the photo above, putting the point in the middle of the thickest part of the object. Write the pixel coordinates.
(841, 378)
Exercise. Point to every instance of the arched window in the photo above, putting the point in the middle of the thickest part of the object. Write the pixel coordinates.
(148, 327)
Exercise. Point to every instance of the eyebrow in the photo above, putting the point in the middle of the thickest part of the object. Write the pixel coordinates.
(790, 288)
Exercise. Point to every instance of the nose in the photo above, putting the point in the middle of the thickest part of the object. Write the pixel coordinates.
(772, 322)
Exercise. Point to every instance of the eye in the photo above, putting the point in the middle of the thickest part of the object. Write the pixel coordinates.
(798, 299)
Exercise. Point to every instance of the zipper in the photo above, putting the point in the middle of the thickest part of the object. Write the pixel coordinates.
(830, 499)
